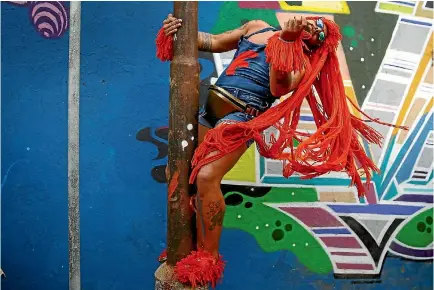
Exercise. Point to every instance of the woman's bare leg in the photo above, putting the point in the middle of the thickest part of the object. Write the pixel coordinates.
(210, 202)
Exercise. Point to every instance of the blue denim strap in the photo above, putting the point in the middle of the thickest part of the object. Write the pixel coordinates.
(261, 31)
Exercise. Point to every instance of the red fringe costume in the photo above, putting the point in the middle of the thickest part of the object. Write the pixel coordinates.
(333, 147)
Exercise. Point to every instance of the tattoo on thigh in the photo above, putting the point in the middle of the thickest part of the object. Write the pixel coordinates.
(213, 208)
(215, 214)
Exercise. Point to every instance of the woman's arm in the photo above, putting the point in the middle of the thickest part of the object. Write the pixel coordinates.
(222, 42)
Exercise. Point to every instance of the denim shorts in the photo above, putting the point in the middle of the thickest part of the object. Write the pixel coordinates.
(251, 99)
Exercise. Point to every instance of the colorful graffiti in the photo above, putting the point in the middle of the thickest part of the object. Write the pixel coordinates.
(279, 233)
(50, 19)
(345, 235)
(350, 239)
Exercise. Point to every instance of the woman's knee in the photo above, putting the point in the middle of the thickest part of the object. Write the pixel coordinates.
(207, 178)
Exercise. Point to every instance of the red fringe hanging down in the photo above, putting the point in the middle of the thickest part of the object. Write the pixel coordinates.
(164, 45)
(200, 268)
(285, 56)
(334, 146)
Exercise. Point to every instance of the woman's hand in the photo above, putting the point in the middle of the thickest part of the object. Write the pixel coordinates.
(171, 25)
(292, 29)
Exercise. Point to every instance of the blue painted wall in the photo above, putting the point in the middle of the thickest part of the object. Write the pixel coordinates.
(124, 89)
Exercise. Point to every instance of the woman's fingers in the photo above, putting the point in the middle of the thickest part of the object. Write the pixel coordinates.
(304, 22)
(171, 25)
(172, 31)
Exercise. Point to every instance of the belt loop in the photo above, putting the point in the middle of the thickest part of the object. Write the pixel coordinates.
(235, 94)
(252, 111)
(255, 112)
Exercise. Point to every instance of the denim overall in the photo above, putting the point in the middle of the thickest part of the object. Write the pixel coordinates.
(246, 78)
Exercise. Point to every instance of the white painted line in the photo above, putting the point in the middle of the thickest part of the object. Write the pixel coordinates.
(73, 145)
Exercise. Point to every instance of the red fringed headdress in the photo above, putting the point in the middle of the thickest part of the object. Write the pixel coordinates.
(334, 146)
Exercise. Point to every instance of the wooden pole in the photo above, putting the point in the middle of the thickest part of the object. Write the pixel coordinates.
(183, 112)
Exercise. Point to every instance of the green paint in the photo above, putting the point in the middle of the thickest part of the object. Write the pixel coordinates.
(354, 43)
(282, 231)
(417, 232)
(396, 8)
(231, 16)
(349, 31)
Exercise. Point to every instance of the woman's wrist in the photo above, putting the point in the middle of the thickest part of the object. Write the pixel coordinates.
(285, 37)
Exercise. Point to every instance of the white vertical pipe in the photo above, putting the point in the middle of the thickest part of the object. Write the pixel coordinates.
(73, 145)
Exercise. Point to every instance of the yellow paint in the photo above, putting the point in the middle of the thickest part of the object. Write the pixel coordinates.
(429, 106)
(311, 127)
(349, 91)
(421, 12)
(332, 196)
(429, 79)
(411, 117)
(336, 7)
(426, 58)
(396, 8)
(245, 169)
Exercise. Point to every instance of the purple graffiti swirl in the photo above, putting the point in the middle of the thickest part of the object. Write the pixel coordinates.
(49, 18)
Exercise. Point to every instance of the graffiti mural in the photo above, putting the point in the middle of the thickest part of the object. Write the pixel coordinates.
(279, 233)
(321, 220)
(50, 19)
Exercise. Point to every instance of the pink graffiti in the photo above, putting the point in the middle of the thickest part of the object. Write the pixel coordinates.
(49, 18)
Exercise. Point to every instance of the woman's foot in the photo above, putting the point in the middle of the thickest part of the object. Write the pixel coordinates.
(200, 268)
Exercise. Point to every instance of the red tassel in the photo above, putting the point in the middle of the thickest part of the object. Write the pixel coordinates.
(163, 256)
(285, 56)
(200, 268)
(164, 45)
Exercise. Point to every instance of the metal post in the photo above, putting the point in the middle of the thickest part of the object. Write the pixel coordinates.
(73, 145)
(183, 111)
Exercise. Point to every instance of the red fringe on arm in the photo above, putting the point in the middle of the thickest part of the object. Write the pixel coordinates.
(164, 45)
(334, 146)
(284, 56)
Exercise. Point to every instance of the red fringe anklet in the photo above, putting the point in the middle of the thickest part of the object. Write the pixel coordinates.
(200, 268)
